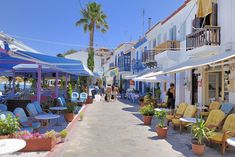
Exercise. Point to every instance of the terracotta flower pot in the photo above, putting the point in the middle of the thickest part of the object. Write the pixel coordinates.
(43, 144)
(4, 137)
(89, 100)
(198, 149)
(147, 120)
(69, 117)
(162, 132)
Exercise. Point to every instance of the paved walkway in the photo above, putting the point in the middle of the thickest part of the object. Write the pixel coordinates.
(115, 130)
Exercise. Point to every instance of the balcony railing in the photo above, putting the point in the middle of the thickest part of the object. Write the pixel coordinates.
(168, 45)
(148, 58)
(209, 35)
(137, 66)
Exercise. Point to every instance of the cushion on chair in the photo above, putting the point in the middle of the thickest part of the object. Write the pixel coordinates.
(204, 113)
(227, 108)
(170, 117)
(6, 113)
(19, 112)
(3, 107)
(190, 111)
(38, 107)
(31, 109)
(176, 121)
(214, 105)
(215, 118)
(180, 110)
(229, 124)
(36, 125)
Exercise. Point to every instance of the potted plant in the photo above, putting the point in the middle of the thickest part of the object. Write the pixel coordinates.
(69, 115)
(147, 112)
(8, 125)
(37, 141)
(200, 133)
(161, 127)
(63, 135)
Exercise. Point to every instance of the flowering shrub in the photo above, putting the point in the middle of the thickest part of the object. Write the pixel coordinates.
(8, 124)
(25, 135)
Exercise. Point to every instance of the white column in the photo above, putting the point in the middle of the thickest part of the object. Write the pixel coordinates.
(39, 83)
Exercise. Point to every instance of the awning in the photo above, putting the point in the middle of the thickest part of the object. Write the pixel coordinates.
(197, 62)
(58, 63)
(204, 8)
(154, 74)
(130, 77)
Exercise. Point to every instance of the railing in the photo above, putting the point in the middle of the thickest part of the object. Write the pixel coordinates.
(148, 56)
(209, 35)
(168, 45)
(137, 66)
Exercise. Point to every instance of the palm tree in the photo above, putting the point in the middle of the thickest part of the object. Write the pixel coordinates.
(92, 18)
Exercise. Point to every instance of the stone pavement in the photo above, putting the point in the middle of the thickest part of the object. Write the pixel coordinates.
(115, 130)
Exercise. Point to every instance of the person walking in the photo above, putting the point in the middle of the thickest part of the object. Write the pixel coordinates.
(108, 92)
(171, 97)
(115, 93)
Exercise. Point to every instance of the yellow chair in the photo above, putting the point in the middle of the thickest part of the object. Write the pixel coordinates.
(213, 106)
(163, 104)
(215, 119)
(189, 113)
(179, 113)
(227, 131)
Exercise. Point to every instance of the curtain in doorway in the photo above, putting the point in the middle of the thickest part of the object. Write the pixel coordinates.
(204, 8)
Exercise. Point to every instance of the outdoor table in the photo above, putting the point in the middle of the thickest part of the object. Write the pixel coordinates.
(231, 141)
(11, 145)
(58, 109)
(47, 117)
(162, 109)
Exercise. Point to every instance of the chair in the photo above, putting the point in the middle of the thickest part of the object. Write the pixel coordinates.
(227, 131)
(179, 113)
(213, 106)
(39, 108)
(6, 113)
(61, 101)
(83, 97)
(190, 112)
(226, 108)
(74, 97)
(3, 107)
(32, 110)
(24, 120)
(164, 104)
(215, 119)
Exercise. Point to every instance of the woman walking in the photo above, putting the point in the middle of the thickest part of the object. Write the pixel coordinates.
(171, 97)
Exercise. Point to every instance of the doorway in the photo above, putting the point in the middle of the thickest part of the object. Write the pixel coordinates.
(194, 87)
(214, 86)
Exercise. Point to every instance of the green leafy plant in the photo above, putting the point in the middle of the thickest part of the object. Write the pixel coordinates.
(70, 90)
(147, 110)
(51, 134)
(200, 131)
(71, 106)
(8, 124)
(63, 133)
(161, 116)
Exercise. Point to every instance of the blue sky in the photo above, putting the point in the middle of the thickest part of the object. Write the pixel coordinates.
(54, 20)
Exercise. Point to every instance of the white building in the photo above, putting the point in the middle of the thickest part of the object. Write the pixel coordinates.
(197, 52)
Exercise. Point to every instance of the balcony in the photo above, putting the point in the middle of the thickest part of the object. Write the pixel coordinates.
(168, 45)
(137, 66)
(209, 35)
(148, 58)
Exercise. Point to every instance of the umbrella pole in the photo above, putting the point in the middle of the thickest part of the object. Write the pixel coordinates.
(153, 90)
(39, 83)
(56, 85)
